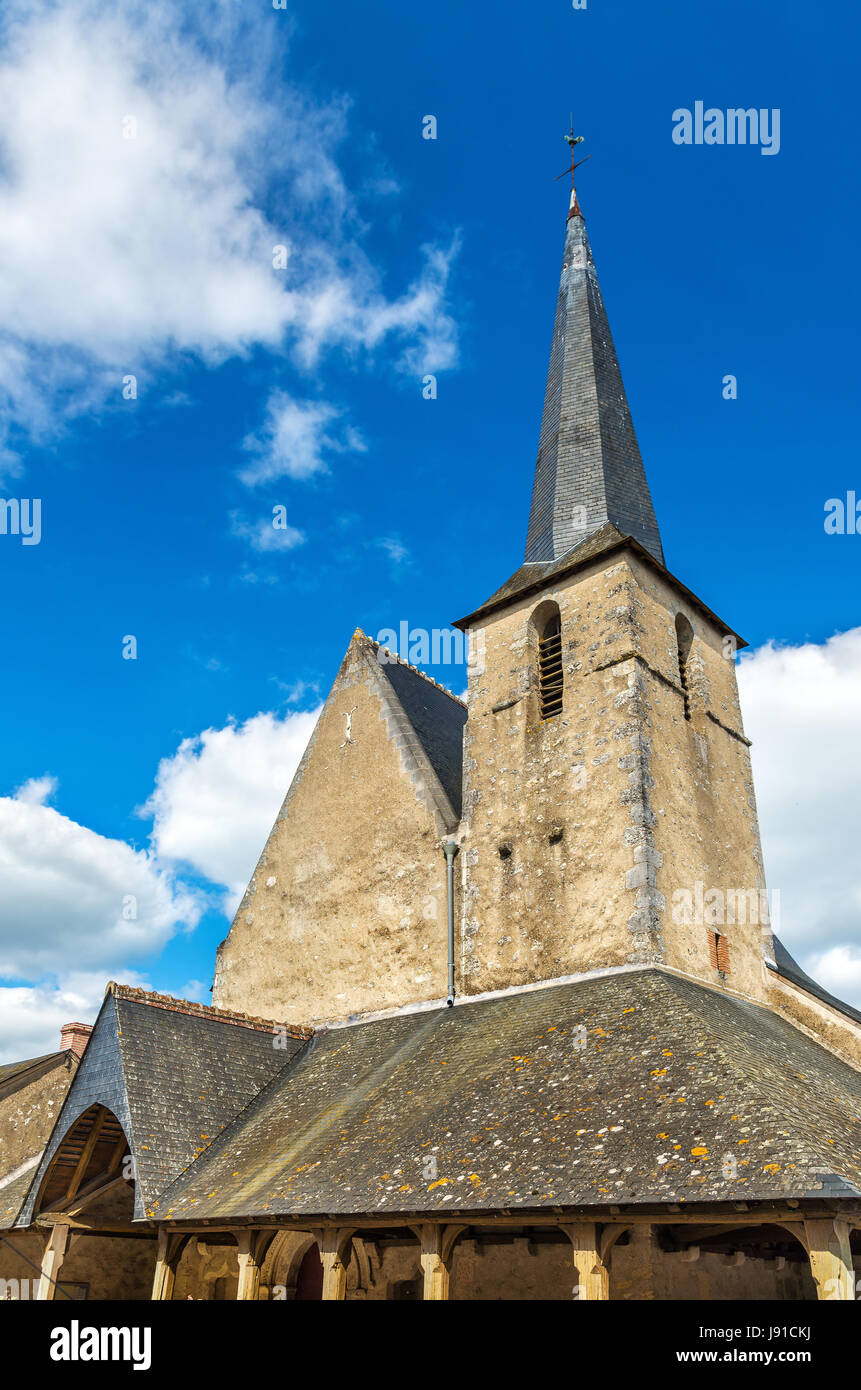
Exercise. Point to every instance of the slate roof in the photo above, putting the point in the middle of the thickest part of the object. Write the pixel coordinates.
(788, 967)
(589, 469)
(15, 1075)
(437, 718)
(519, 1109)
(535, 576)
(12, 1195)
(174, 1074)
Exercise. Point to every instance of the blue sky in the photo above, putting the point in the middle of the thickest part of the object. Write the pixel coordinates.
(301, 387)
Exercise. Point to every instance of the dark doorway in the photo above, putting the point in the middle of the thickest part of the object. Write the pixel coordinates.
(309, 1284)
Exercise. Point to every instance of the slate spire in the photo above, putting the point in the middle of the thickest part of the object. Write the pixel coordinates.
(589, 469)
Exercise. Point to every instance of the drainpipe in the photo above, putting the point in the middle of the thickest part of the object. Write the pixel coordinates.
(450, 850)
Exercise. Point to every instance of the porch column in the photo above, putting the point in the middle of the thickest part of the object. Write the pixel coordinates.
(249, 1248)
(170, 1247)
(52, 1261)
(335, 1257)
(437, 1249)
(830, 1256)
(593, 1278)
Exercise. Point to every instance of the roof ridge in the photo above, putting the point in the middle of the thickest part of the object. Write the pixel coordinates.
(399, 660)
(208, 1011)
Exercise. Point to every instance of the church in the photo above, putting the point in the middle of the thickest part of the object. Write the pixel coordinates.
(501, 1015)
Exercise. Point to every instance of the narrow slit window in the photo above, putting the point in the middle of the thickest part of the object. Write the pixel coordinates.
(550, 678)
(684, 642)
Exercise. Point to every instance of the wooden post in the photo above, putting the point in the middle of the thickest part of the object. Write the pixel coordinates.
(828, 1249)
(437, 1249)
(593, 1277)
(170, 1247)
(52, 1262)
(335, 1256)
(250, 1245)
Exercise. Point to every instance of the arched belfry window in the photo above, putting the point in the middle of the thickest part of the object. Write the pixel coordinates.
(684, 642)
(548, 627)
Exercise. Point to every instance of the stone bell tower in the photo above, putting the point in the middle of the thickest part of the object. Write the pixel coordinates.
(609, 812)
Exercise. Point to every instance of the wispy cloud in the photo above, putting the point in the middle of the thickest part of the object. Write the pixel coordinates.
(172, 192)
(297, 439)
(394, 548)
(267, 533)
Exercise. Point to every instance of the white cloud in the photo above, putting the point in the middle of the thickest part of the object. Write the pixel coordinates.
(264, 534)
(295, 439)
(217, 797)
(122, 255)
(69, 894)
(802, 709)
(34, 1014)
(37, 790)
(395, 549)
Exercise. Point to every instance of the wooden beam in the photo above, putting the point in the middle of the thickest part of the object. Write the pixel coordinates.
(437, 1243)
(170, 1248)
(334, 1246)
(48, 1219)
(120, 1148)
(86, 1154)
(87, 1195)
(830, 1259)
(251, 1247)
(593, 1277)
(52, 1262)
(497, 1220)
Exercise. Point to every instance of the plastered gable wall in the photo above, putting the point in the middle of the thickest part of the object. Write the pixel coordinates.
(28, 1115)
(346, 912)
(603, 812)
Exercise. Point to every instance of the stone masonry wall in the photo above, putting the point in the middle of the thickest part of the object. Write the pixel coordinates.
(579, 831)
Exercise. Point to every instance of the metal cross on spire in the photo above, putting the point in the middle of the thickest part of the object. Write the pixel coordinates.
(572, 141)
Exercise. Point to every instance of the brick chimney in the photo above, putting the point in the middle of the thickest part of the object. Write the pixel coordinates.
(73, 1037)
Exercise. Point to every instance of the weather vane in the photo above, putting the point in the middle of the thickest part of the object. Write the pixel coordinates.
(572, 141)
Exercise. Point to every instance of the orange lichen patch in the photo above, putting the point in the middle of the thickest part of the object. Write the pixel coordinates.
(406, 1188)
(771, 1168)
(667, 1052)
(663, 1136)
(440, 1182)
(744, 1141)
(659, 1071)
(474, 1179)
(700, 1152)
(709, 1102)
(629, 1011)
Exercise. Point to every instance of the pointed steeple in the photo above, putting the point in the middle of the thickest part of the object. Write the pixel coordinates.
(589, 469)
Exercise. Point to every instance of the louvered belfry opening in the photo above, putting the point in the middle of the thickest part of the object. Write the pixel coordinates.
(550, 679)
